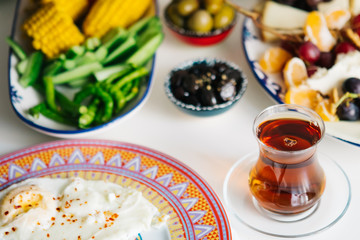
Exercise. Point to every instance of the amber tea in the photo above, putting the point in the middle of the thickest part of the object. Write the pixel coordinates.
(287, 177)
(289, 134)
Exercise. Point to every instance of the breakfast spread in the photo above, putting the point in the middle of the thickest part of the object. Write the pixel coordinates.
(317, 53)
(102, 61)
(45, 208)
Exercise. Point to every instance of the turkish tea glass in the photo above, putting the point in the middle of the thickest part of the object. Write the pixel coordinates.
(287, 179)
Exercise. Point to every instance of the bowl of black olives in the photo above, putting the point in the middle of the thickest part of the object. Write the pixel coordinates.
(200, 22)
(205, 87)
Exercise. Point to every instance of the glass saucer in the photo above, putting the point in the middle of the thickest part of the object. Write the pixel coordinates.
(331, 208)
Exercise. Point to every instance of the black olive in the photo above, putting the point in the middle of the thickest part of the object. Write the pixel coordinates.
(233, 74)
(207, 96)
(205, 79)
(227, 90)
(190, 84)
(180, 93)
(357, 102)
(177, 78)
(220, 67)
(192, 99)
(198, 68)
(211, 74)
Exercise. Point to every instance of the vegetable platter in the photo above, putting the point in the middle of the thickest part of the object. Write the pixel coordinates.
(79, 82)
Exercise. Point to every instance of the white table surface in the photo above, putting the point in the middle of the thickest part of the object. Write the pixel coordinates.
(210, 146)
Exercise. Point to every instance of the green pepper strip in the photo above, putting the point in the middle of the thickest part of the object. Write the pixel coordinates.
(50, 93)
(88, 117)
(32, 70)
(84, 93)
(127, 87)
(19, 52)
(99, 115)
(119, 100)
(132, 94)
(119, 74)
(66, 106)
(127, 93)
(138, 73)
(42, 109)
(49, 71)
(103, 95)
(35, 111)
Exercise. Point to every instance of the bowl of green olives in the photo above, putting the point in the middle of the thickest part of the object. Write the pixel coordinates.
(206, 86)
(200, 22)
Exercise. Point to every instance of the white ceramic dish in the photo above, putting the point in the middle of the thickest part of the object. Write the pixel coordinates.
(22, 99)
(275, 88)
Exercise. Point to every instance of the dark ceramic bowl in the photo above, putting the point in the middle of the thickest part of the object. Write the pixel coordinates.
(199, 39)
(205, 110)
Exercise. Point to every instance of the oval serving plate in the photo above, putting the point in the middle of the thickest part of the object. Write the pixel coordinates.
(22, 99)
(275, 88)
(194, 209)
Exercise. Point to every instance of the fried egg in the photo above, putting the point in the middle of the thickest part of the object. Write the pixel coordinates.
(44, 208)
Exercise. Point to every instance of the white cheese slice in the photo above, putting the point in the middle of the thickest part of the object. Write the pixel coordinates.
(346, 66)
(355, 7)
(282, 17)
(326, 7)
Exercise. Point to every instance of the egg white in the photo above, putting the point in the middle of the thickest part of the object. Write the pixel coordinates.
(77, 209)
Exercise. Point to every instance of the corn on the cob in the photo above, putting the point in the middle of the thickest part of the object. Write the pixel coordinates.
(107, 14)
(53, 31)
(75, 8)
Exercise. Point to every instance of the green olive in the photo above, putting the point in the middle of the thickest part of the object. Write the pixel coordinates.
(174, 17)
(187, 7)
(213, 6)
(224, 17)
(201, 21)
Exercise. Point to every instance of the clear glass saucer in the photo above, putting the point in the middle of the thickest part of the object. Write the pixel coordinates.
(331, 208)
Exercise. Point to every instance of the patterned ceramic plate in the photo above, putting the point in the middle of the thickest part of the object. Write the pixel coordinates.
(194, 209)
(274, 86)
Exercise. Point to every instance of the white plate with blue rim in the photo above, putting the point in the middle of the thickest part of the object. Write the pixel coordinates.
(273, 84)
(24, 98)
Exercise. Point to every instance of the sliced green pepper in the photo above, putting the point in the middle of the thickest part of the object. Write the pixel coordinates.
(19, 52)
(138, 73)
(100, 93)
(32, 70)
(50, 93)
(42, 109)
(87, 117)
